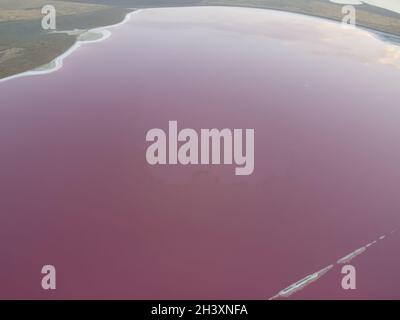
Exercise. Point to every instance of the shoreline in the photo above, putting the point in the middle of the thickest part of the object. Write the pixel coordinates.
(57, 63)
(381, 35)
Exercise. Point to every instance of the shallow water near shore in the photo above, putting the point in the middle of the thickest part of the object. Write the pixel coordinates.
(78, 193)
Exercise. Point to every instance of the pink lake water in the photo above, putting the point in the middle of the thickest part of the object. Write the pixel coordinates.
(76, 191)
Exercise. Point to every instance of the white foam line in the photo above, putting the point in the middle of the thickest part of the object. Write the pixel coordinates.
(301, 284)
(58, 62)
(352, 255)
(361, 250)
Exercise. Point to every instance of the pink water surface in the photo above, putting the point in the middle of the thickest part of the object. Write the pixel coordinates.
(76, 191)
